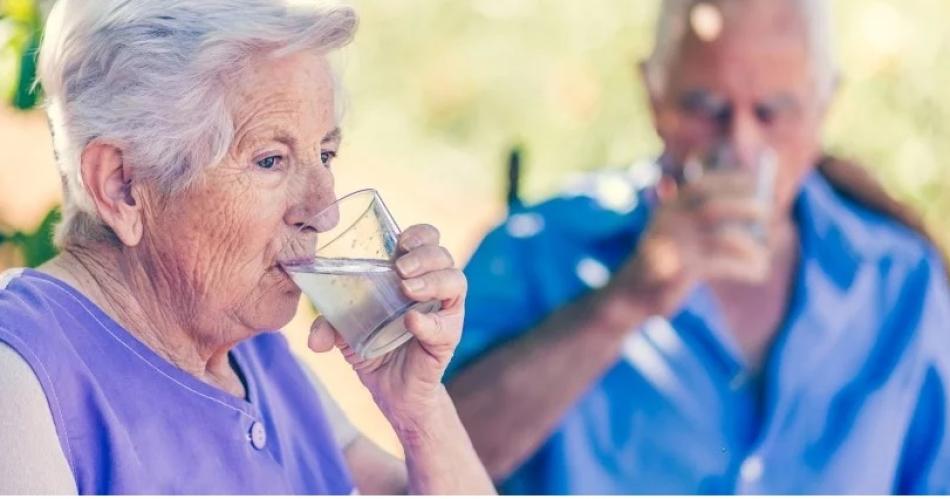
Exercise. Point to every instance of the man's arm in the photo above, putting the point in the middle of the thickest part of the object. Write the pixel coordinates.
(511, 399)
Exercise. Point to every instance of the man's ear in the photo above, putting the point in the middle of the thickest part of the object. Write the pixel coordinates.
(654, 94)
(108, 181)
(828, 99)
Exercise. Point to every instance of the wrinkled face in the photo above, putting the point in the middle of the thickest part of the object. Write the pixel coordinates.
(749, 86)
(221, 240)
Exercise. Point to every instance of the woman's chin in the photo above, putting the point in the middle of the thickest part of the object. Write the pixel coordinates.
(276, 312)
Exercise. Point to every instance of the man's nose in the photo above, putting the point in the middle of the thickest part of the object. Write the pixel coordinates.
(744, 136)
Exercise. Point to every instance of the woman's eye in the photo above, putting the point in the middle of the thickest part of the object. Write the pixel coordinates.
(270, 162)
(327, 157)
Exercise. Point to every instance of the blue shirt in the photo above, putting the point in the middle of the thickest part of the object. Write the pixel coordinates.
(854, 397)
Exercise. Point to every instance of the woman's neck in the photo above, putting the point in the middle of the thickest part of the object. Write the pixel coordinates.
(144, 306)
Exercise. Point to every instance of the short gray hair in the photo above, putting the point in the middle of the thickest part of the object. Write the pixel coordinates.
(147, 75)
(674, 23)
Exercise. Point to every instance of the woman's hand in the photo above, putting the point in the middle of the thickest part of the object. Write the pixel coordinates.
(407, 382)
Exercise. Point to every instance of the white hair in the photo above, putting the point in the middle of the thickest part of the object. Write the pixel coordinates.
(147, 75)
(674, 24)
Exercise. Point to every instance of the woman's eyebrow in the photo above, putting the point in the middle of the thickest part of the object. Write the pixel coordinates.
(286, 138)
(335, 135)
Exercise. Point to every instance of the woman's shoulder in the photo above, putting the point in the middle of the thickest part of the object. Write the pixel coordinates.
(22, 303)
(11, 303)
(33, 461)
(50, 327)
(33, 337)
(20, 386)
(35, 314)
(22, 310)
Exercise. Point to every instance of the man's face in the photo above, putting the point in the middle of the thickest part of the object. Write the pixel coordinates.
(750, 87)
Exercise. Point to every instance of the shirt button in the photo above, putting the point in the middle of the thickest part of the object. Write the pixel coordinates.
(258, 435)
(752, 469)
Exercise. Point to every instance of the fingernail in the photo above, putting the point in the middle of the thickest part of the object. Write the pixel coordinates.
(415, 285)
(411, 243)
(407, 265)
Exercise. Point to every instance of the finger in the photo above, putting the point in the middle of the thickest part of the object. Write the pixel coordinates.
(719, 184)
(448, 286)
(438, 329)
(418, 235)
(730, 181)
(714, 213)
(667, 189)
(733, 240)
(323, 337)
(424, 259)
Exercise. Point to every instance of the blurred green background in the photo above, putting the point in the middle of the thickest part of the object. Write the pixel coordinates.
(439, 92)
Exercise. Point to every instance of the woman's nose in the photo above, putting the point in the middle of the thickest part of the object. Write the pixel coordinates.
(313, 197)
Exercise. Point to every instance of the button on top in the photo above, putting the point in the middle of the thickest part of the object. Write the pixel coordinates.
(258, 435)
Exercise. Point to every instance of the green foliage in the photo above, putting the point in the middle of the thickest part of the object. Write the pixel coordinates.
(447, 86)
(440, 90)
(26, 96)
(35, 246)
(20, 28)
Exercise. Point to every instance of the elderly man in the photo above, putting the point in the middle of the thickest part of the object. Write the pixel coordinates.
(692, 338)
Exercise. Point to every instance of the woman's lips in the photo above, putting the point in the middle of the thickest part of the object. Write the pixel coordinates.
(292, 261)
(284, 278)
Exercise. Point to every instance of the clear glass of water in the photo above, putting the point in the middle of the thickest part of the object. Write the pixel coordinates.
(763, 167)
(343, 262)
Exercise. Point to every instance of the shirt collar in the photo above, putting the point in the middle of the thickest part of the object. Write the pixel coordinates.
(828, 232)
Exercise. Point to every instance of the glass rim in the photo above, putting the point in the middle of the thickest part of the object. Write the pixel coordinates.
(340, 200)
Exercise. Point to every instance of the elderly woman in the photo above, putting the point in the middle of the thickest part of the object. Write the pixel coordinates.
(193, 138)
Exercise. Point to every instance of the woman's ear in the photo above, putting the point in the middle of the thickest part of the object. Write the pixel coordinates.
(108, 181)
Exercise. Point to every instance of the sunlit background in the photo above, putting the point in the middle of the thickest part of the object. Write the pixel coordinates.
(439, 93)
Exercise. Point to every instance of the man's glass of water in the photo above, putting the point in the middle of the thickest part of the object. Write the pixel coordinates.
(762, 166)
(344, 264)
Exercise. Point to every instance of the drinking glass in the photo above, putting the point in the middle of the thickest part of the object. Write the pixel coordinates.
(763, 166)
(344, 265)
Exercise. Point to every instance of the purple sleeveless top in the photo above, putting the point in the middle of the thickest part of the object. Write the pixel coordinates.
(130, 422)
